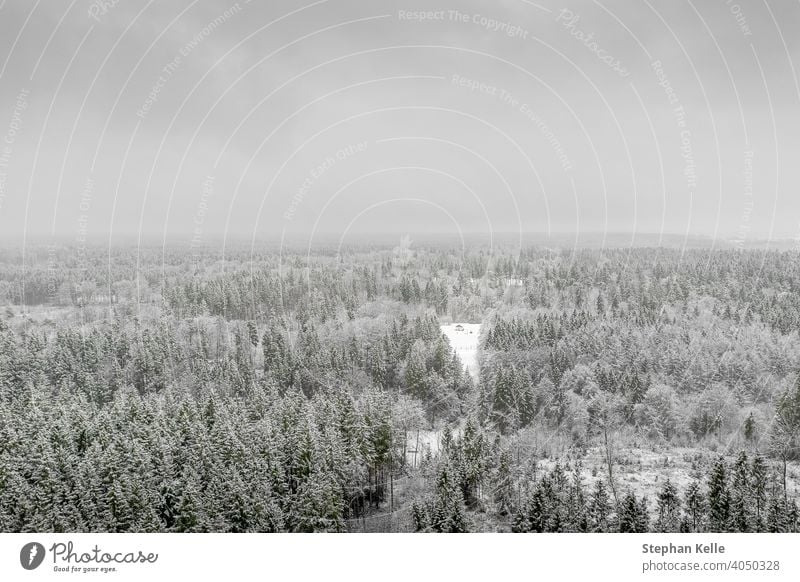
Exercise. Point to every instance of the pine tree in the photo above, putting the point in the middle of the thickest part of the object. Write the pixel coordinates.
(420, 515)
(719, 498)
(319, 506)
(600, 508)
(189, 519)
(577, 512)
(167, 508)
(504, 486)
(533, 516)
(792, 518)
(474, 455)
(740, 495)
(417, 373)
(776, 515)
(750, 428)
(695, 507)
(668, 508)
(758, 490)
(503, 402)
(449, 511)
(632, 514)
(252, 332)
(642, 516)
(554, 493)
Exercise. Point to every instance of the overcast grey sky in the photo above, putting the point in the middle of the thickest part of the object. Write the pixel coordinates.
(197, 119)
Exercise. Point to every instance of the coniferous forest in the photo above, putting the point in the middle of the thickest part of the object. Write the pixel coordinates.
(270, 390)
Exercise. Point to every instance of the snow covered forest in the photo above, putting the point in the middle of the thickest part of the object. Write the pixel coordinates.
(631, 390)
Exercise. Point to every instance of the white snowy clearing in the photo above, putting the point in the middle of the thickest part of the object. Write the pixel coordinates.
(463, 339)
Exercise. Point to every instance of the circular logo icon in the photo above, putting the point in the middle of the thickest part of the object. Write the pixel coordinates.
(31, 555)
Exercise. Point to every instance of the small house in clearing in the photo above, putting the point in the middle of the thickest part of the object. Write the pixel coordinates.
(459, 327)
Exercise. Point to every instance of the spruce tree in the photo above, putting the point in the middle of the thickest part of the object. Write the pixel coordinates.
(750, 428)
(695, 507)
(531, 516)
(758, 491)
(504, 486)
(577, 510)
(642, 516)
(792, 517)
(319, 506)
(668, 508)
(420, 515)
(719, 513)
(629, 518)
(600, 508)
(449, 511)
(776, 515)
(741, 520)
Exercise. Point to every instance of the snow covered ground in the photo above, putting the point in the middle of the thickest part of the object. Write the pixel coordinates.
(464, 340)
